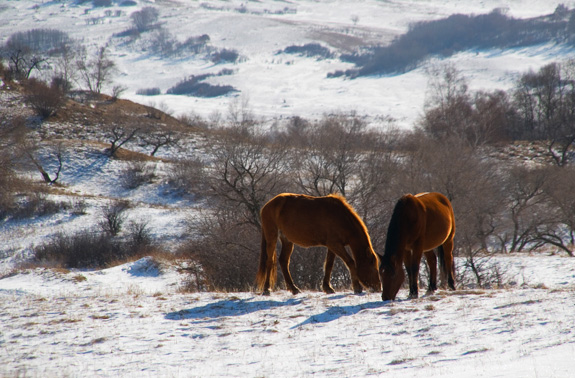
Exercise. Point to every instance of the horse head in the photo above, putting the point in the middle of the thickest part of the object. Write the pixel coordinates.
(368, 273)
(392, 276)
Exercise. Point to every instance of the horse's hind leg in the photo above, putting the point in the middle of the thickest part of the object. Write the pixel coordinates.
(447, 265)
(327, 268)
(287, 249)
(432, 264)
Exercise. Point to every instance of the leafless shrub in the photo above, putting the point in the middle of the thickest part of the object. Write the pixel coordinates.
(139, 238)
(227, 253)
(113, 216)
(136, 174)
(83, 250)
(194, 120)
(483, 271)
(188, 176)
(149, 91)
(45, 100)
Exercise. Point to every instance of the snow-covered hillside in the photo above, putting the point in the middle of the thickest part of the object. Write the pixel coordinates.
(284, 85)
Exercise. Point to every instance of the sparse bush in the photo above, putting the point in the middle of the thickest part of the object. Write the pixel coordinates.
(45, 100)
(225, 56)
(188, 177)
(36, 204)
(195, 44)
(310, 50)
(113, 217)
(102, 3)
(145, 19)
(136, 174)
(149, 92)
(83, 250)
(193, 86)
(139, 238)
(227, 254)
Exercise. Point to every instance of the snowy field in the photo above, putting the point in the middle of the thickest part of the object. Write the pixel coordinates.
(132, 321)
(279, 86)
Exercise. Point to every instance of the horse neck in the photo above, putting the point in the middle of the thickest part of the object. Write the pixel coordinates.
(393, 238)
(361, 246)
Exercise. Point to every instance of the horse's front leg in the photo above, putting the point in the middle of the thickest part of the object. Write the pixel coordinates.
(327, 269)
(340, 251)
(412, 261)
(287, 249)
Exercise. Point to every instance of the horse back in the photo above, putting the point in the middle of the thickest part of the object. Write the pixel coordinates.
(439, 218)
(307, 220)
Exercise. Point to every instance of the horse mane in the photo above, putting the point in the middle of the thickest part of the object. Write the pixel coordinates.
(393, 232)
(354, 215)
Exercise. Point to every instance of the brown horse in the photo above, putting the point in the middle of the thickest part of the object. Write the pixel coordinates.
(313, 221)
(419, 224)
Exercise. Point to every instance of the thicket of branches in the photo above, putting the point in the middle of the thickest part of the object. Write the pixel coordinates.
(500, 206)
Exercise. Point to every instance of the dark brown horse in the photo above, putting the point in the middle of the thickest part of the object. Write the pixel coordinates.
(315, 221)
(419, 224)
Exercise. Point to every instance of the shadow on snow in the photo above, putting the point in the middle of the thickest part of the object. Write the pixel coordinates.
(231, 307)
(239, 307)
(336, 312)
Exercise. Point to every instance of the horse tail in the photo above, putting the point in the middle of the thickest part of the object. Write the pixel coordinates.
(441, 257)
(449, 274)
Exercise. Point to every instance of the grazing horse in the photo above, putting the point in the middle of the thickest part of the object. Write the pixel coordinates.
(315, 221)
(419, 224)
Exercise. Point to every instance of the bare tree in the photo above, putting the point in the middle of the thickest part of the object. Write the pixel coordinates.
(546, 103)
(65, 67)
(22, 59)
(160, 138)
(326, 165)
(559, 228)
(118, 135)
(249, 172)
(96, 71)
(31, 153)
(145, 19)
(526, 206)
(12, 136)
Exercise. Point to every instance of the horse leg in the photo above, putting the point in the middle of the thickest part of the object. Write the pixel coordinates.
(327, 268)
(446, 262)
(287, 249)
(267, 270)
(339, 250)
(432, 264)
(412, 261)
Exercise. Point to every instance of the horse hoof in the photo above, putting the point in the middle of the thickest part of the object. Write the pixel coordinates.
(295, 291)
(328, 290)
(266, 293)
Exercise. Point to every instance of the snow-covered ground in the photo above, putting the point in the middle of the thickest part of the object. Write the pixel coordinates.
(279, 86)
(132, 321)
